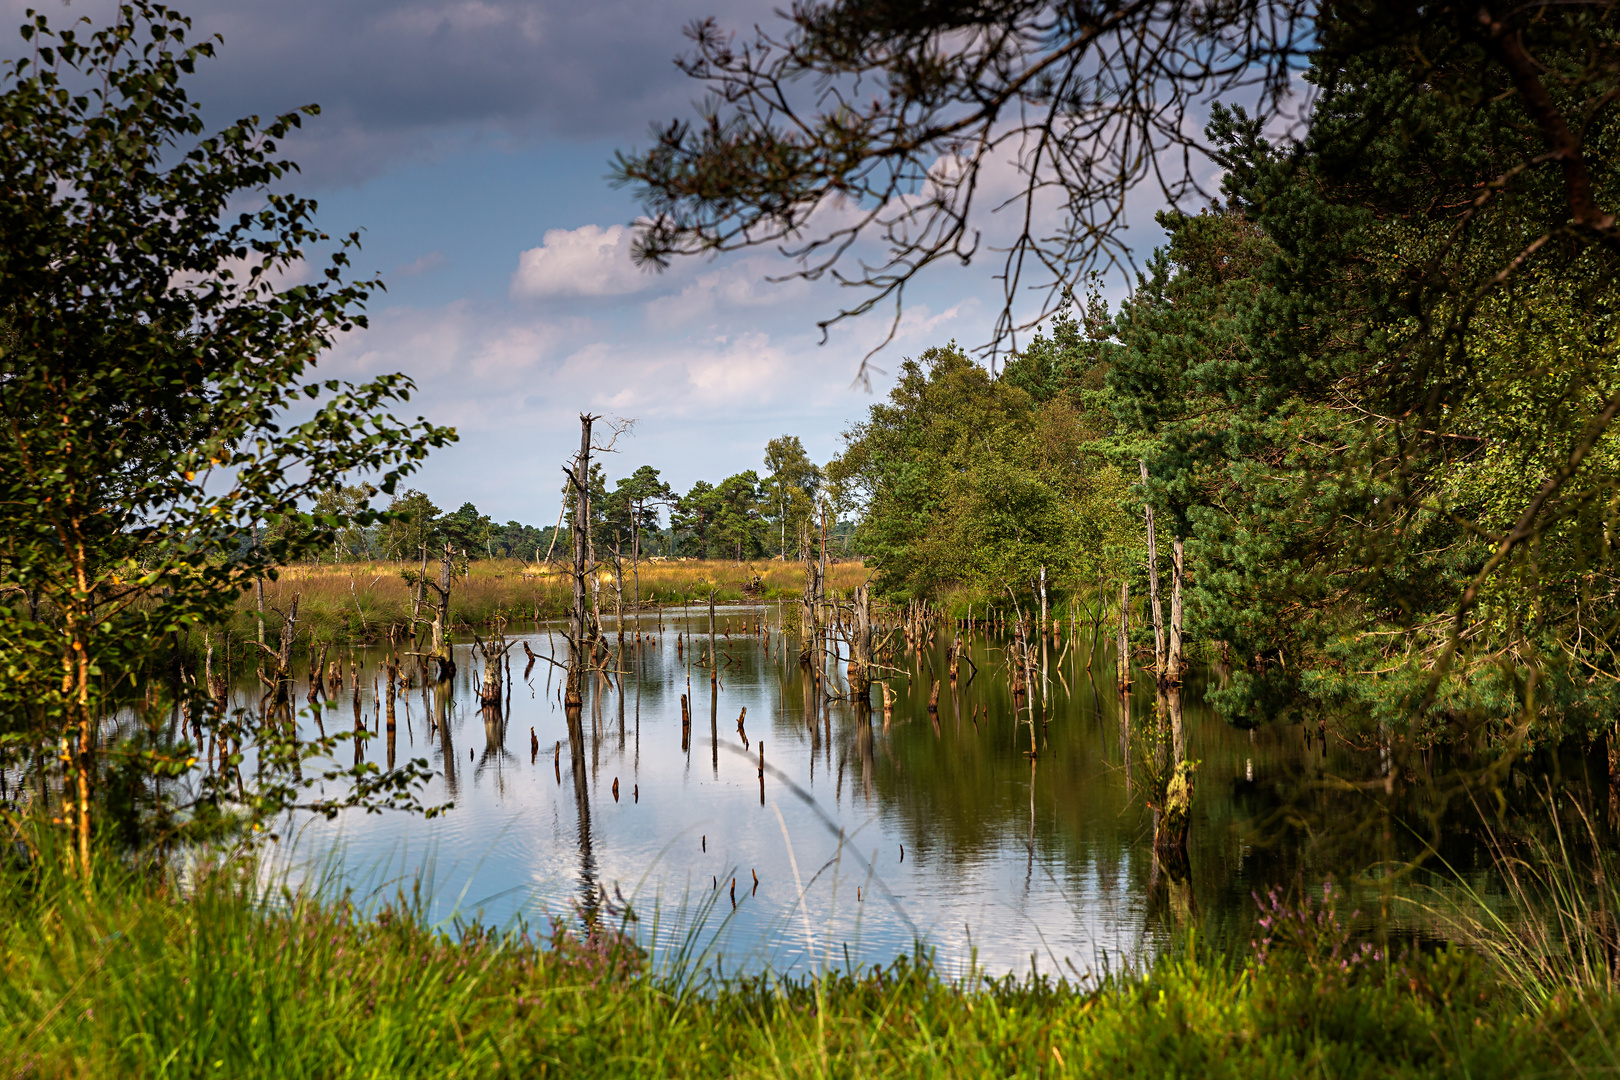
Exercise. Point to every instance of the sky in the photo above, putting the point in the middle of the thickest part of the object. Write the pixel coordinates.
(469, 141)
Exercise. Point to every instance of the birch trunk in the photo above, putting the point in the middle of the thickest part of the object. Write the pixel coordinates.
(1124, 674)
(1045, 615)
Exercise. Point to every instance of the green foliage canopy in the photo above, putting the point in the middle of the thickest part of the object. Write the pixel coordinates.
(965, 479)
(157, 397)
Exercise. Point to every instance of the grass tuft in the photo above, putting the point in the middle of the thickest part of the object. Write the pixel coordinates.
(227, 976)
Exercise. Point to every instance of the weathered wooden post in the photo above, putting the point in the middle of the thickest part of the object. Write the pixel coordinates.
(714, 661)
(393, 682)
(1045, 619)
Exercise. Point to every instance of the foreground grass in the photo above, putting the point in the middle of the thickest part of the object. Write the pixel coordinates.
(139, 981)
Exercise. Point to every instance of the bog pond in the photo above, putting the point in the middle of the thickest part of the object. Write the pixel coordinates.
(871, 832)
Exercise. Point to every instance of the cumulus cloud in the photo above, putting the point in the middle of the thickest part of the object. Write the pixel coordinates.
(587, 261)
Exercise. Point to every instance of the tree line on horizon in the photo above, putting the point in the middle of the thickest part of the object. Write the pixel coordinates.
(745, 516)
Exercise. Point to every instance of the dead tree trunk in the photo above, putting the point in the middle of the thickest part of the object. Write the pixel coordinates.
(578, 613)
(1172, 820)
(494, 651)
(280, 679)
(258, 588)
(595, 633)
(807, 616)
(635, 559)
(316, 667)
(1153, 581)
(1179, 552)
(1172, 682)
(714, 661)
(860, 647)
(618, 595)
(392, 688)
(1124, 674)
(1046, 620)
(439, 646)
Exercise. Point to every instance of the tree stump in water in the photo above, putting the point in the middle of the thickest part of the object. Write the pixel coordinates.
(1170, 827)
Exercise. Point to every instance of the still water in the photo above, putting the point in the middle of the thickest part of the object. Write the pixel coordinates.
(870, 833)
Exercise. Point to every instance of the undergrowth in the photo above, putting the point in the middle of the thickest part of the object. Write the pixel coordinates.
(222, 977)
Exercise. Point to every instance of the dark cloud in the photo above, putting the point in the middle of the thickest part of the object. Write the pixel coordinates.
(410, 78)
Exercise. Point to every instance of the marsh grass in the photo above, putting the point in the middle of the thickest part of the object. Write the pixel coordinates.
(1550, 926)
(349, 603)
(219, 973)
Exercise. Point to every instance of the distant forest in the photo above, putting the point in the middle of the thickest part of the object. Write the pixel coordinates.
(744, 516)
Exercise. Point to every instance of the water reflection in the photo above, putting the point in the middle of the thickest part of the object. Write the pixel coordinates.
(1003, 824)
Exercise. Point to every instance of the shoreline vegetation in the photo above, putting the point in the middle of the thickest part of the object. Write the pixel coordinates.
(223, 976)
(355, 603)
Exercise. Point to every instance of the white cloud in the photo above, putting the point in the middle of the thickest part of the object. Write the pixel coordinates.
(587, 261)
(514, 383)
(433, 260)
(918, 323)
(742, 284)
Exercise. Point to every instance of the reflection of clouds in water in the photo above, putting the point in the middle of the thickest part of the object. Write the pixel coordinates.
(528, 839)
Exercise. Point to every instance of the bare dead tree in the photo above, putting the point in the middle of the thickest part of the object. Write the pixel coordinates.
(279, 681)
(578, 475)
(493, 651)
(439, 604)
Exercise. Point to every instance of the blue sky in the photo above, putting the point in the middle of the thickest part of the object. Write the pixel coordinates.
(469, 140)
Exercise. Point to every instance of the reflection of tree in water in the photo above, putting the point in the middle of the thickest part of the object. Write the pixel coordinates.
(1281, 805)
(443, 705)
(589, 881)
(714, 728)
(622, 677)
(596, 722)
(811, 721)
(495, 754)
(1272, 806)
(863, 746)
(359, 725)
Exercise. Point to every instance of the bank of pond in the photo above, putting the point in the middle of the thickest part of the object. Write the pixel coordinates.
(711, 867)
(224, 978)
